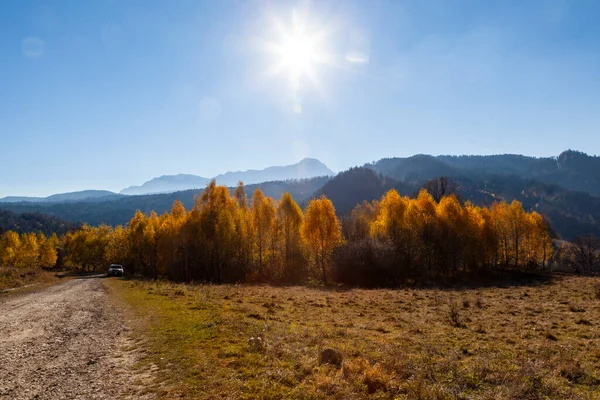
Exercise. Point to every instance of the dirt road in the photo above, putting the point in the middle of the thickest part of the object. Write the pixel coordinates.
(66, 342)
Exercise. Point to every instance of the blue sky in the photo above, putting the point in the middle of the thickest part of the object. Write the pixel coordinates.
(108, 94)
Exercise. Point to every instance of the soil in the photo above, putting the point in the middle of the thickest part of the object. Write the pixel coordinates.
(68, 341)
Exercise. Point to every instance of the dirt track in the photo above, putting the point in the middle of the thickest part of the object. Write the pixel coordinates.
(66, 342)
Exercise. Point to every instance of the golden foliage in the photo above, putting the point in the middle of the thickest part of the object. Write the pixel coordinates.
(223, 238)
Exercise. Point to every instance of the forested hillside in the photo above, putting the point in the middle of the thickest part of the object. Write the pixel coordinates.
(571, 170)
(359, 184)
(118, 212)
(34, 222)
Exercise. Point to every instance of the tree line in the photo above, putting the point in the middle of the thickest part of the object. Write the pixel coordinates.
(33, 250)
(226, 237)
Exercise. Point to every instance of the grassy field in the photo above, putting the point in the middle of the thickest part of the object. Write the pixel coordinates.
(535, 341)
(14, 278)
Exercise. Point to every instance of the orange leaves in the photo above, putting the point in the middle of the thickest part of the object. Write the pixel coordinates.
(321, 231)
(449, 235)
(224, 239)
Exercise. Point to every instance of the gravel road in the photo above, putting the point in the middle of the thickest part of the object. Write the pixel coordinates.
(66, 342)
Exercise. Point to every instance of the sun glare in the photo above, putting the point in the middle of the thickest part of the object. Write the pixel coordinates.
(298, 50)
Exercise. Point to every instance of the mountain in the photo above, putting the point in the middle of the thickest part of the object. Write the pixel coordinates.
(168, 184)
(307, 168)
(84, 195)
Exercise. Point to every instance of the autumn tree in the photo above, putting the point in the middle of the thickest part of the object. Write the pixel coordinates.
(263, 223)
(453, 231)
(28, 251)
(390, 226)
(321, 231)
(243, 239)
(358, 225)
(48, 251)
(10, 243)
(289, 217)
(214, 212)
(421, 218)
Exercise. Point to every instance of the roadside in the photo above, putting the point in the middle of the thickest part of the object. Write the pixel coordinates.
(12, 279)
(68, 341)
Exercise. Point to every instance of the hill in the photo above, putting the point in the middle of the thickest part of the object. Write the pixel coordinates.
(571, 170)
(349, 188)
(33, 222)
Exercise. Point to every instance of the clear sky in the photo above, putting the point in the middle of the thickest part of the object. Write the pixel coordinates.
(108, 94)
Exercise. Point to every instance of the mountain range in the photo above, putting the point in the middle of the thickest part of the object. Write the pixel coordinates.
(306, 168)
(565, 188)
(84, 195)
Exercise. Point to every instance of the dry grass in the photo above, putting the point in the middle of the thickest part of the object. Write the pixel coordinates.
(521, 342)
(15, 278)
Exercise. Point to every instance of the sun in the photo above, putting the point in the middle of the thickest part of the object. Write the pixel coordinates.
(298, 48)
(298, 52)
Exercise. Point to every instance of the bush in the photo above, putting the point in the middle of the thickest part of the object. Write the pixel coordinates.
(454, 316)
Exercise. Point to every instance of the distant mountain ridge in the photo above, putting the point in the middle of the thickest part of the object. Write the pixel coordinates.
(83, 195)
(571, 170)
(306, 168)
(168, 184)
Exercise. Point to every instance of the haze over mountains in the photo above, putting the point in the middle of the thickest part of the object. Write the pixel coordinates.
(83, 195)
(306, 168)
(566, 188)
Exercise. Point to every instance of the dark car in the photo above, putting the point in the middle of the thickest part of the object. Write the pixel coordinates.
(115, 270)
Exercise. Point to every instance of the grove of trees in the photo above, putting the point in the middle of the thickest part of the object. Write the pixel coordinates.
(28, 250)
(225, 237)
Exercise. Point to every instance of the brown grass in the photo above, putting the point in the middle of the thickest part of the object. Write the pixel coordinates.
(18, 278)
(528, 342)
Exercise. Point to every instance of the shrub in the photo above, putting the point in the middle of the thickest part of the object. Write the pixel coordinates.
(454, 316)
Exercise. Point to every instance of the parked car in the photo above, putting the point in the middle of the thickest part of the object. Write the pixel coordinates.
(115, 270)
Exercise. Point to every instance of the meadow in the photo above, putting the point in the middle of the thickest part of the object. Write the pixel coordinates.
(534, 340)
